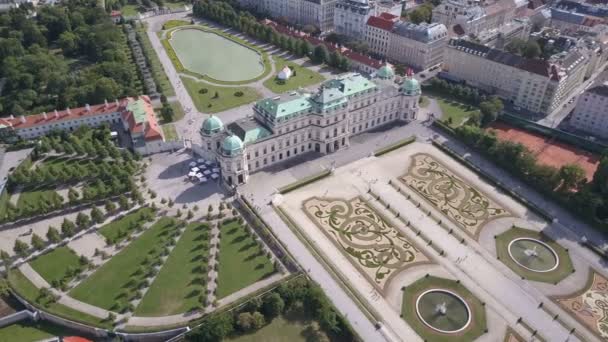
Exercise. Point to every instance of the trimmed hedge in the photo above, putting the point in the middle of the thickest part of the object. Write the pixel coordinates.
(494, 181)
(304, 181)
(394, 146)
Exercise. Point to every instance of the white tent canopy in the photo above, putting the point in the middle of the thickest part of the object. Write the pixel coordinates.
(214, 176)
(285, 74)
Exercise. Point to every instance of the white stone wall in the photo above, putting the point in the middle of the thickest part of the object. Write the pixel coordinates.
(67, 125)
(591, 114)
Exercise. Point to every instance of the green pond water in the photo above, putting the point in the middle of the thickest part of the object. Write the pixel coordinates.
(207, 53)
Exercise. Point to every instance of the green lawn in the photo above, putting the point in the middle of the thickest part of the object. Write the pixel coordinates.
(4, 197)
(169, 132)
(174, 23)
(177, 287)
(29, 292)
(304, 77)
(54, 265)
(226, 99)
(129, 10)
(28, 331)
(36, 198)
(160, 77)
(242, 261)
(178, 112)
(114, 282)
(457, 112)
(279, 330)
(118, 230)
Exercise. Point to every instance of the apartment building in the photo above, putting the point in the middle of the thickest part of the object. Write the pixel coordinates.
(535, 85)
(591, 112)
(472, 17)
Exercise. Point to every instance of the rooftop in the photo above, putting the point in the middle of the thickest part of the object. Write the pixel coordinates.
(249, 130)
(423, 32)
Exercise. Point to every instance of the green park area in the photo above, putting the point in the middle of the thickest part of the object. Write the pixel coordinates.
(38, 199)
(174, 23)
(279, 330)
(170, 132)
(115, 283)
(213, 99)
(301, 77)
(178, 112)
(120, 228)
(181, 282)
(160, 77)
(455, 113)
(28, 331)
(60, 264)
(24, 287)
(239, 251)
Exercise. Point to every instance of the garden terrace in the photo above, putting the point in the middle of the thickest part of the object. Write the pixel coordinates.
(242, 261)
(302, 77)
(181, 282)
(212, 99)
(115, 283)
(58, 266)
(119, 229)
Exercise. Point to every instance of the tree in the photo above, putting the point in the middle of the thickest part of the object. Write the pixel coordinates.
(320, 54)
(273, 305)
(421, 14)
(110, 207)
(123, 202)
(215, 328)
(600, 177)
(53, 235)
(82, 220)
(37, 242)
(244, 321)
(571, 176)
(20, 248)
(68, 228)
(167, 113)
(258, 320)
(96, 215)
(531, 50)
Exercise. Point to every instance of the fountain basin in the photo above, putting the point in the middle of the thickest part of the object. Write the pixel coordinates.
(443, 311)
(533, 255)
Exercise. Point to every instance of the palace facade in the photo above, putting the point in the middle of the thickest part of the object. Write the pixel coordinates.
(295, 123)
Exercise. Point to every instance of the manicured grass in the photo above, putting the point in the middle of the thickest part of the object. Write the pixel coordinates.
(29, 331)
(160, 77)
(129, 10)
(304, 77)
(4, 197)
(455, 111)
(209, 103)
(564, 268)
(174, 23)
(179, 284)
(54, 266)
(37, 198)
(112, 283)
(279, 330)
(242, 261)
(178, 112)
(169, 132)
(29, 292)
(119, 229)
(175, 5)
(408, 310)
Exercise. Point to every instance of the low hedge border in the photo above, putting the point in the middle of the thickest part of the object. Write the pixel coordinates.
(544, 214)
(304, 181)
(394, 146)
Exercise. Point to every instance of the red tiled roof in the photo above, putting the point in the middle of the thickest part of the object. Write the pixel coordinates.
(115, 13)
(388, 16)
(63, 115)
(458, 30)
(590, 21)
(380, 23)
(149, 127)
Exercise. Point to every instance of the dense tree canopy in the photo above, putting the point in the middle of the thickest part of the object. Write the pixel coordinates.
(65, 56)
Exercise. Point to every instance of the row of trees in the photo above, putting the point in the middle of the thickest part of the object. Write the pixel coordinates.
(567, 184)
(39, 77)
(298, 297)
(225, 14)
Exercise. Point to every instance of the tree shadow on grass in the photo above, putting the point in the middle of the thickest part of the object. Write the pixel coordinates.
(197, 247)
(238, 239)
(193, 293)
(198, 269)
(196, 258)
(247, 247)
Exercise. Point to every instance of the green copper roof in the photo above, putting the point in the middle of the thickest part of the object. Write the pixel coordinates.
(212, 124)
(232, 145)
(138, 109)
(355, 83)
(253, 135)
(411, 87)
(285, 105)
(385, 72)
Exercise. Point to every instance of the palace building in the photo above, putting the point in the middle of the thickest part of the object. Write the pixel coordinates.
(295, 123)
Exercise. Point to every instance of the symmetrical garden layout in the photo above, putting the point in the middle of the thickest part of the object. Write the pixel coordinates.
(589, 305)
(464, 205)
(378, 250)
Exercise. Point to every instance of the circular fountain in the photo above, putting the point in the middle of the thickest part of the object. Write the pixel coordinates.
(443, 311)
(533, 255)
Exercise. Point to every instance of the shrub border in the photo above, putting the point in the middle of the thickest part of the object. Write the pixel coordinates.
(304, 181)
(395, 146)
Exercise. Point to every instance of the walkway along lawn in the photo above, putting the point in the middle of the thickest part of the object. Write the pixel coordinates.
(206, 101)
(179, 284)
(242, 260)
(54, 266)
(24, 288)
(303, 77)
(114, 283)
(119, 229)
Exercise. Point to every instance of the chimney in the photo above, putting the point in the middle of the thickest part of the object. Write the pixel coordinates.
(87, 107)
(12, 117)
(105, 104)
(68, 111)
(56, 114)
(22, 119)
(116, 102)
(44, 116)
